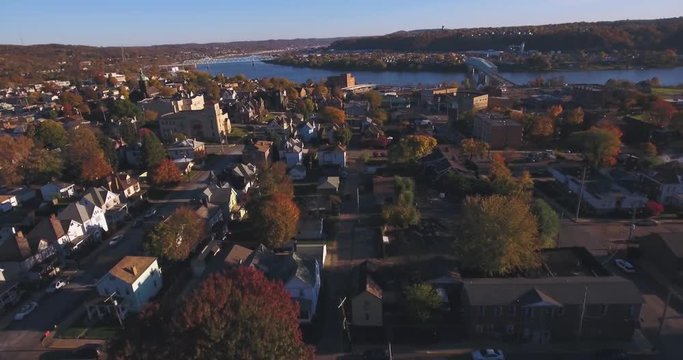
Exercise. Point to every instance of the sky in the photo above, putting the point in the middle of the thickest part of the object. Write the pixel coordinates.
(150, 22)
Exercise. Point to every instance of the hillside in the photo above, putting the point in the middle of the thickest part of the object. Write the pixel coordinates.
(602, 36)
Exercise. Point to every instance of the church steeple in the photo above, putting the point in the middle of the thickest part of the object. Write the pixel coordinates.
(143, 84)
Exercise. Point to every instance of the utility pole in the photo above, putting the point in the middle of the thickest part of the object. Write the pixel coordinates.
(666, 308)
(583, 311)
(391, 353)
(583, 182)
(633, 223)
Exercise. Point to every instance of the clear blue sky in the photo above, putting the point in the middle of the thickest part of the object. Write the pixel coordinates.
(147, 22)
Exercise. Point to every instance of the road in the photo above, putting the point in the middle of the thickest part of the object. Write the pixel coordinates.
(21, 340)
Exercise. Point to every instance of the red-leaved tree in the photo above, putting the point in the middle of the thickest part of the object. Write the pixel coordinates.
(654, 208)
(238, 314)
(166, 173)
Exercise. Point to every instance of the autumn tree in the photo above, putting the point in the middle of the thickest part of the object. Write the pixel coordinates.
(51, 134)
(374, 99)
(151, 115)
(166, 173)
(497, 235)
(548, 223)
(654, 208)
(599, 145)
(412, 148)
(421, 301)
(662, 111)
(274, 219)
(542, 127)
(554, 111)
(13, 155)
(174, 238)
(85, 159)
(257, 319)
(649, 149)
(275, 180)
(153, 151)
(334, 115)
(575, 116)
(306, 107)
(344, 136)
(474, 148)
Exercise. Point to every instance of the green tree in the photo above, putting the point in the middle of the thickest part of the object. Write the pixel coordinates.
(174, 238)
(153, 152)
(52, 134)
(599, 145)
(548, 223)
(110, 154)
(42, 166)
(422, 302)
(122, 108)
(344, 135)
(403, 212)
(411, 148)
(374, 98)
(497, 235)
(257, 319)
(274, 219)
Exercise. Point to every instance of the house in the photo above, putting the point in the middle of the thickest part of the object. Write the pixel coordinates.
(8, 202)
(573, 298)
(293, 152)
(665, 182)
(9, 292)
(332, 155)
(243, 177)
(185, 149)
(91, 217)
(308, 131)
(134, 280)
(357, 108)
(366, 300)
(102, 198)
(19, 252)
(328, 185)
(211, 214)
(258, 153)
(297, 173)
(300, 275)
(601, 192)
(665, 251)
(310, 228)
(23, 194)
(224, 197)
(124, 184)
(57, 189)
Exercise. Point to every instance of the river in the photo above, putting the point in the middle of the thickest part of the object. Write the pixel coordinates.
(258, 70)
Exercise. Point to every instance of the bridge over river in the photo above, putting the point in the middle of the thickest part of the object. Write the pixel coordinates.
(483, 72)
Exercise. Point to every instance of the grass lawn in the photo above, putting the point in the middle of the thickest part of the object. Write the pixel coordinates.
(237, 134)
(86, 329)
(667, 91)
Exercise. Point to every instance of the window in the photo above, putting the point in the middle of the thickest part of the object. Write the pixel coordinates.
(603, 310)
(559, 312)
(510, 329)
(482, 311)
(512, 310)
(479, 329)
(366, 305)
(155, 283)
(529, 313)
(498, 311)
(367, 317)
(632, 310)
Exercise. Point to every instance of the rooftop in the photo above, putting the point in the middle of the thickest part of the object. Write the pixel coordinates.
(130, 268)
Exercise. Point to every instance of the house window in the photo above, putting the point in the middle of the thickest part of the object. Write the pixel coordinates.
(559, 312)
(498, 311)
(367, 317)
(155, 283)
(301, 292)
(366, 305)
(128, 292)
(479, 329)
(482, 311)
(603, 310)
(632, 310)
(529, 313)
(510, 329)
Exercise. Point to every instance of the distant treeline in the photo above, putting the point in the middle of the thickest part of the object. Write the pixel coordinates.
(658, 34)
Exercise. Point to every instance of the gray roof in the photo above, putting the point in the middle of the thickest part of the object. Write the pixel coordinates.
(218, 195)
(557, 290)
(97, 196)
(78, 211)
(673, 240)
(283, 267)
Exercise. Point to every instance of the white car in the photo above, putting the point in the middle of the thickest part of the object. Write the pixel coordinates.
(56, 285)
(488, 354)
(625, 266)
(115, 240)
(25, 310)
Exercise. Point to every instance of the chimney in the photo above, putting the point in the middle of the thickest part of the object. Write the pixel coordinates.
(56, 226)
(134, 270)
(22, 244)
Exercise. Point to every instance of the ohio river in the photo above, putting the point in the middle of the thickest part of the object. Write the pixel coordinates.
(258, 70)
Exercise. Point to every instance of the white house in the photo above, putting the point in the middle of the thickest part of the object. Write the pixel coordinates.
(332, 155)
(92, 218)
(124, 184)
(599, 191)
(293, 152)
(134, 280)
(666, 181)
(57, 189)
(8, 202)
(185, 149)
(102, 198)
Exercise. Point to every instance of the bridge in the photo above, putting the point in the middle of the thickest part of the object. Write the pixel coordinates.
(221, 60)
(483, 72)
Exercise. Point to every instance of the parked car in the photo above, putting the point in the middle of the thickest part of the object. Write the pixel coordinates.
(647, 222)
(56, 285)
(25, 309)
(151, 212)
(488, 354)
(625, 266)
(116, 240)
